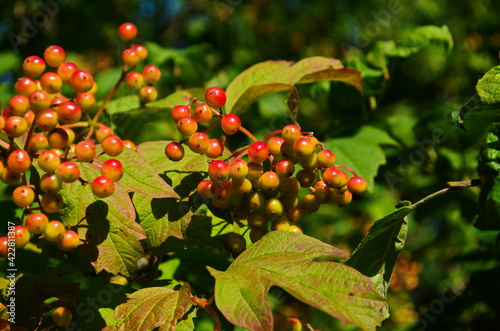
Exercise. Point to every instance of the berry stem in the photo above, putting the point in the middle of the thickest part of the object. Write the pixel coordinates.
(348, 168)
(270, 134)
(211, 126)
(205, 305)
(451, 186)
(28, 137)
(248, 134)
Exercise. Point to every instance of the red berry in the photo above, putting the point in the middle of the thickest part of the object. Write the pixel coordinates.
(356, 185)
(218, 171)
(81, 81)
(22, 236)
(285, 168)
(69, 241)
(333, 177)
(69, 112)
(205, 189)
(112, 145)
(187, 126)
(326, 159)
(151, 73)
(36, 223)
(179, 112)
(25, 86)
(46, 120)
(9, 177)
(198, 142)
(15, 126)
(230, 124)
(303, 147)
(215, 148)
(275, 145)
(19, 161)
(50, 183)
(142, 51)
(49, 161)
(102, 187)
(54, 231)
(130, 57)
(291, 133)
(148, 94)
(58, 138)
(102, 132)
(127, 31)
(258, 152)
(4, 248)
(238, 169)
(270, 181)
(174, 151)
(68, 172)
(255, 170)
(51, 82)
(215, 97)
(2, 122)
(113, 169)
(203, 113)
(342, 199)
(129, 144)
(134, 80)
(54, 55)
(23, 196)
(19, 105)
(66, 70)
(33, 66)
(85, 100)
(39, 100)
(85, 151)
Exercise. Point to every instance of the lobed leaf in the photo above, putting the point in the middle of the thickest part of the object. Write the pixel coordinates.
(290, 261)
(488, 87)
(362, 152)
(379, 250)
(152, 307)
(275, 76)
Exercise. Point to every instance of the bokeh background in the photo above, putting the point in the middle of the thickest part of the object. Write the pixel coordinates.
(448, 276)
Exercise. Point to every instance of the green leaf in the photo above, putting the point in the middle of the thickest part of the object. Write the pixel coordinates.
(489, 155)
(362, 152)
(152, 307)
(123, 104)
(161, 218)
(8, 61)
(289, 261)
(379, 250)
(275, 76)
(488, 87)
(474, 106)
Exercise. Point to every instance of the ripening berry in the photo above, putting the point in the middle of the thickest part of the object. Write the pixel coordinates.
(39, 100)
(23, 196)
(54, 231)
(52, 202)
(21, 236)
(295, 214)
(2, 122)
(215, 97)
(48, 161)
(291, 133)
(102, 132)
(342, 199)
(19, 161)
(46, 120)
(51, 82)
(127, 31)
(69, 112)
(306, 178)
(81, 81)
(85, 151)
(256, 234)
(50, 183)
(257, 219)
(68, 172)
(274, 207)
(256, 200)
(58, 138)
(303, 147)
(242, 186)
(334, 177)
(69, 242)
(151, 73)
(148, 94)
(236, 243)
(275, 145)
(187, 126)
(269, 181)
(356, 185)
(174, 151)
(222, 190)
(33, 66)
(289, 186)
(203, 113)
(215, 148)
(85, 100)
(129, 144)
(71, 135)
(254, 171)
(9, 177)
(309, 203)
(322, 192)
(142, 51)
(54, 55)
(36, 223)
(280, 224)
(19, 105)
(25, 86)
(205, 189)
(113, 169)
(198, 142)
(130, 57)
(238, 169)
(134, 80)
(179, 112)
(218, 171)
(66, 70)
(112, 145)
(230, 124)
(289, 201)
(310, 162)
(288, 151)
(4, 249)
(258, 152)
(102, 187)
(15, 126)
(285, 168)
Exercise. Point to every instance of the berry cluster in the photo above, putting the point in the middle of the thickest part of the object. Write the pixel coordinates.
(42, 126)
(261, 182)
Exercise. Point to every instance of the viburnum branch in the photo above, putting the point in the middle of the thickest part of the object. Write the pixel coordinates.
(451, 186)
(205, 305)
(270, 134)
(348, 168)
